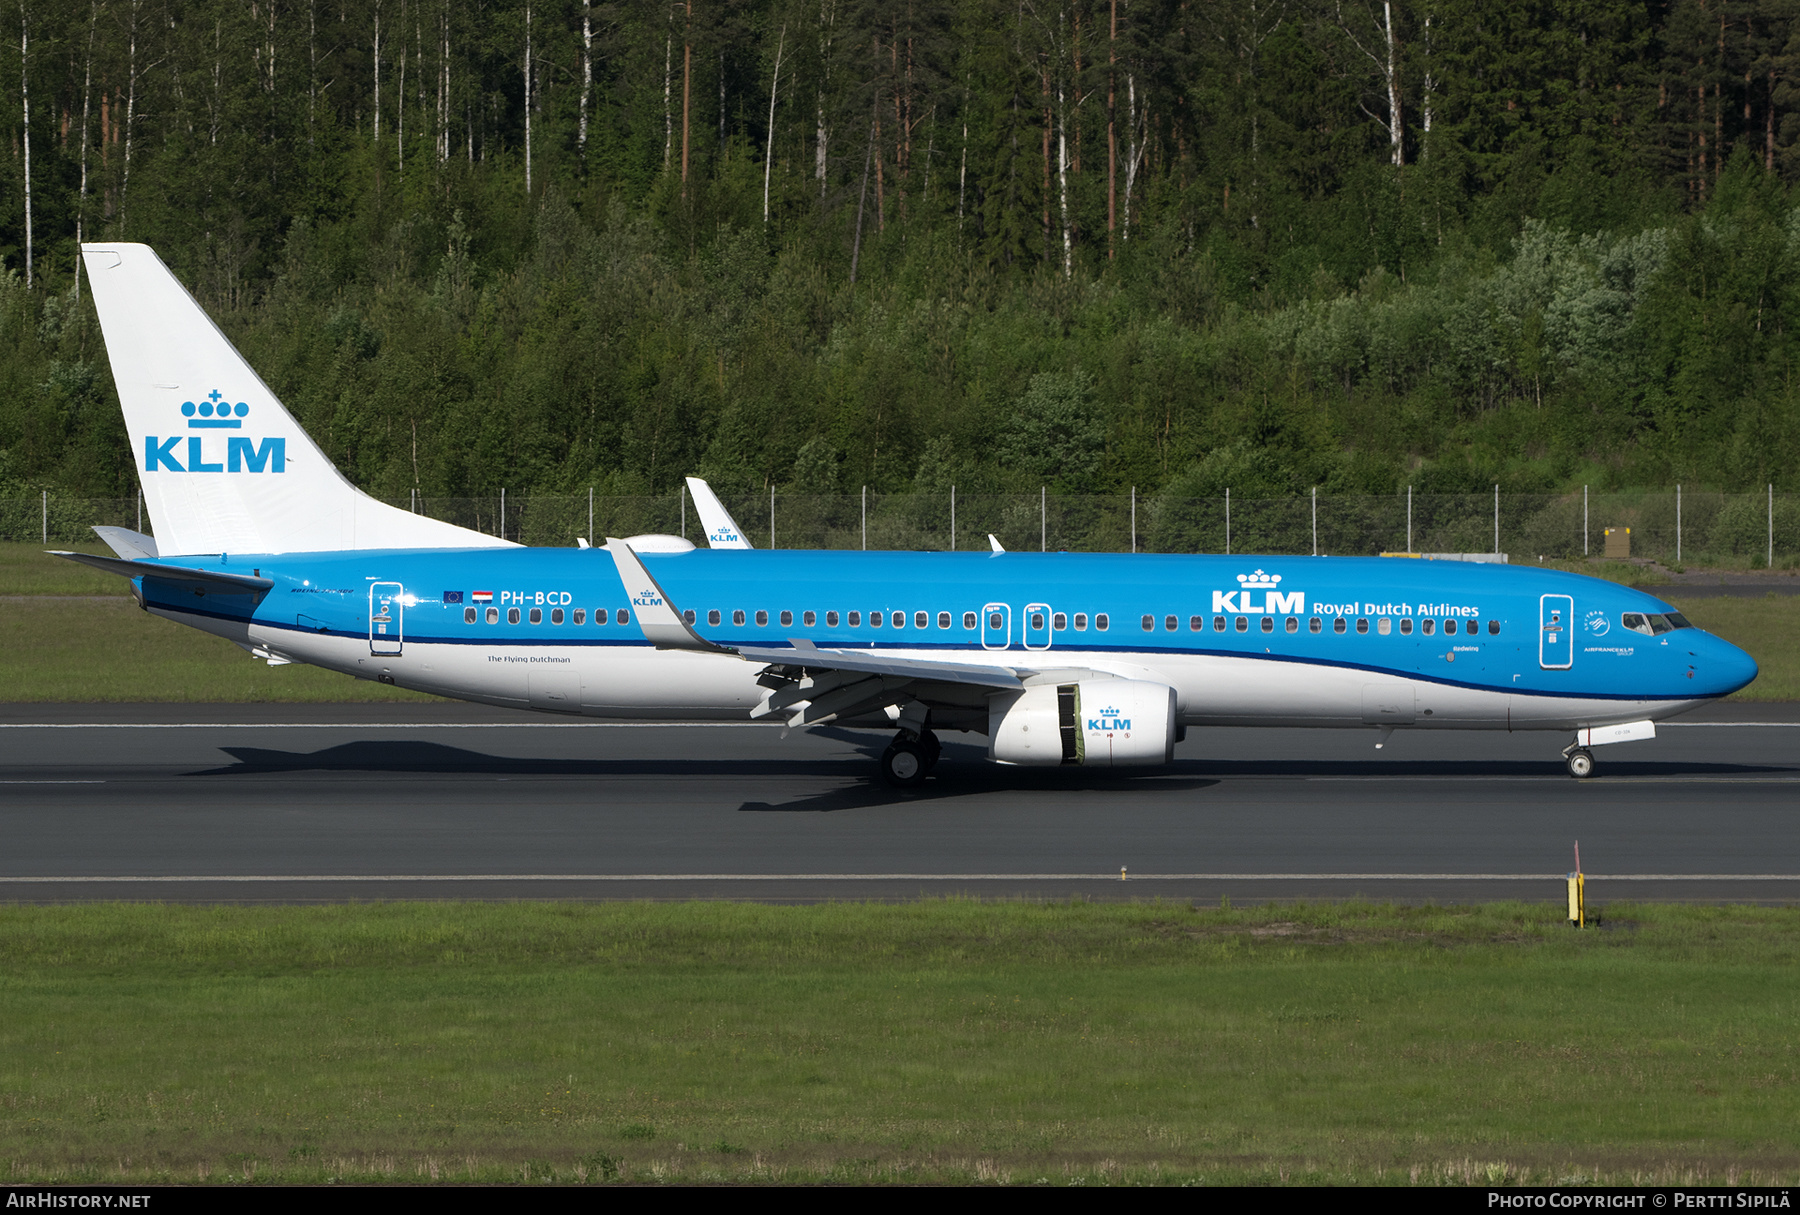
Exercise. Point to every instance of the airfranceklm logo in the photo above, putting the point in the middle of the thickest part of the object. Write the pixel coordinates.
(240, 455)
(1246, 598)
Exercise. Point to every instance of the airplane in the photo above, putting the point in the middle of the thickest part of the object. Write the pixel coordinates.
(1058, 659)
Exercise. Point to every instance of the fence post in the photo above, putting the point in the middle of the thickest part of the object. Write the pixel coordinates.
(590, 535)
(953, 518)
(683, 511)
(1315, 497)
(865, 518)
(47, 516)
(1496, 520)
(140, 497)
(1771, 562)
(771, 516)
(503, 512)
(1228, 520)
(1677, 523)
(1409, 547)
(1044, 518)
(1134, 518)
(1584, 521)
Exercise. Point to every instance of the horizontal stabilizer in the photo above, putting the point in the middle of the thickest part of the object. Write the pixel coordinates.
(127, 543)
(874, 662)
(241, 583)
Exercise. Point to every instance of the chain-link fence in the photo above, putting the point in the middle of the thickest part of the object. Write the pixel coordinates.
(1673, 527)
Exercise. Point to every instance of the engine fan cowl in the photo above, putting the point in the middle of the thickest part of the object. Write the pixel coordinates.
(1099, 723)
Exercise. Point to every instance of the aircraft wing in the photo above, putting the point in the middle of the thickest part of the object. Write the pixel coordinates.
(808, 657)
(722, 530)
(219, 582)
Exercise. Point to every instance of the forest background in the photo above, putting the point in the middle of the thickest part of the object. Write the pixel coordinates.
(811, 245)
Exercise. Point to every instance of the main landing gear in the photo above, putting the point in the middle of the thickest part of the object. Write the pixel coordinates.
(910, 758)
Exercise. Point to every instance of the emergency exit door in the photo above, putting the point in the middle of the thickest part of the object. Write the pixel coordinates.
(1556, 633)
(387, 617)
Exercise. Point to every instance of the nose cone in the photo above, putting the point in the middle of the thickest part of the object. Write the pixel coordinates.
(1720, 668)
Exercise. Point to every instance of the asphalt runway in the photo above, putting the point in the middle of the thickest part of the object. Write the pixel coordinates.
(299, 803)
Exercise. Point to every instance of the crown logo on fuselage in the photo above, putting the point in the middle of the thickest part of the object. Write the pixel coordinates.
(215, 413)
(1258, 580)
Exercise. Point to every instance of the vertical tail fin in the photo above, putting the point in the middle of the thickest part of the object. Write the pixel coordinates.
(722, 530)
(225, 468)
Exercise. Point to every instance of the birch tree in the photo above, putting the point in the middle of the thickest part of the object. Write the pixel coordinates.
(25, 102)
(1375, 38)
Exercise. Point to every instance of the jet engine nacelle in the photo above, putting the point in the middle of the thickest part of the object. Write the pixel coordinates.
(1106, 723)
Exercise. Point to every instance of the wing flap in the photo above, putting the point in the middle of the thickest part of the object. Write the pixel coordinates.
(805, 655)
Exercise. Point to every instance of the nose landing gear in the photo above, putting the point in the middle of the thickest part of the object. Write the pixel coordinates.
(910, 758)
(1580, 761)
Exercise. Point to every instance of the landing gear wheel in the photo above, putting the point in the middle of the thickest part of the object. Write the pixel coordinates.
(904, 764)
(1581, 764)
(933, 749)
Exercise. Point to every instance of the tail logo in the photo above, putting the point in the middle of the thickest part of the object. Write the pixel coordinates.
(214, 412)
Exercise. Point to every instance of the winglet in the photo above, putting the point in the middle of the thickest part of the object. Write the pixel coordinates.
(722, 530)
(998, 547)
(656, 614)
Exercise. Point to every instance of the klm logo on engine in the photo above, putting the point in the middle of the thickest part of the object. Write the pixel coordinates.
(202, 452)
(1109, 720)
(1258, 594)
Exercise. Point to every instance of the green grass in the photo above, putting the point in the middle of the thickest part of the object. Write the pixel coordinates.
(932, 1041)
(75, 650)
(26, 569)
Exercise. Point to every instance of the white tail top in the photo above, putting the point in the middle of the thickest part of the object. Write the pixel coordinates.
(225, 468)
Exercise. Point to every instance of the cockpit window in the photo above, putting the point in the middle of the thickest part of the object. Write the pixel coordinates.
(1652, 625)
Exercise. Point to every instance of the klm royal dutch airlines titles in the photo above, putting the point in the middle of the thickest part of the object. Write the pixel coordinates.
(1062, 658)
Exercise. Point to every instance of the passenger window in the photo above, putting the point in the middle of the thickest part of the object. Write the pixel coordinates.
(921, 620)
(762, 620)
(1196, 623)
(1037, 620)
(581, 616)
(1149, 623)
(1243, 624)
(1100, 621)
(468, 615)
(737, 616)
(969, 620)
(874, 620)
(1315, 625)
(712, 617)
(1339, 625)
(943, 620)
(831, 619)
(809, 619)
(1384, 626)
(512, 615)
(1449, 627)
(996, 620)
(1081, 622)
(1059, 622)
(899, 620)
(621, 617)
(556, 616)
(1428, 627)
(493, 615)
(787, 619)
(1293, 625)
(1218, 624)
(1406, 626)
(1268, 624)
(537, 615)
(1472, 627)
(1362, 624)
(855, 620)
(1493, 628)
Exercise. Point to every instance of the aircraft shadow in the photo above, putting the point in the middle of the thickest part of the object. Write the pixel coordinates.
(435, 758)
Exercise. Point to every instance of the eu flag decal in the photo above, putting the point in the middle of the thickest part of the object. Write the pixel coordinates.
(452, 596)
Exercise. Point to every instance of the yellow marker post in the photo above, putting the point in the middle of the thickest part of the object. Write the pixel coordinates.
(1578, 893)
